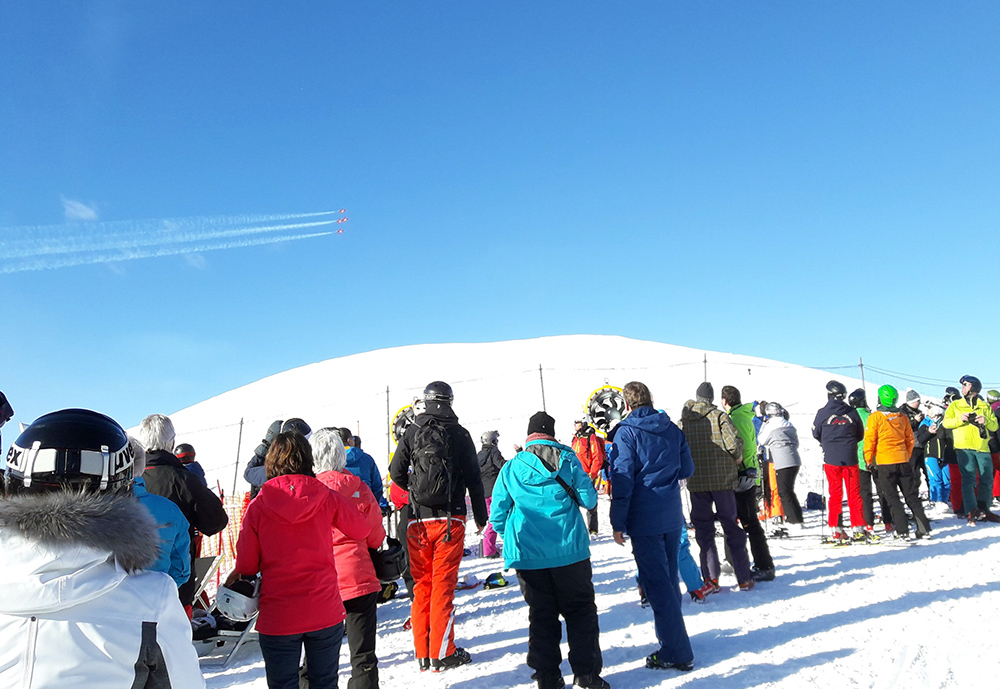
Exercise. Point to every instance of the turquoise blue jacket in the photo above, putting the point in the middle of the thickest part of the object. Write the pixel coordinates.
(175, 543)
(541, 525)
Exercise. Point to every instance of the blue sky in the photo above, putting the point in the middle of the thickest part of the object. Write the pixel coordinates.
(811, 182)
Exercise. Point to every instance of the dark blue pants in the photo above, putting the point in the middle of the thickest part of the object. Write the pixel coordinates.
(282, 652)
(704, 518)
(657, 557)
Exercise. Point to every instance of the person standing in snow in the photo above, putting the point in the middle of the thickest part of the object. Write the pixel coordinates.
(166, 476)
(888, 445)
(939, 445)
(175, 542)
(79, 606)
(536, 510)
(838, 429)
(993, 399)
(491, 461)
(717, 450)
(589, 449)
(866, 475)
(742, 416)
(779, 439)
(921, 434)
(972, 420)
(443, 458)
(362, 465)
(185, 452)
(255, 474)
(356, 578)
(649, 459)
(287, 536)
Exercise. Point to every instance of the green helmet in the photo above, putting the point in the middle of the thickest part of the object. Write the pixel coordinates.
(888, 396)
(992, 396)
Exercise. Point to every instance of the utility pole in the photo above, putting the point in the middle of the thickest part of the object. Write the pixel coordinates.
(239, 442)
(861, 367)
(541, 380)
(388, 427)
(705, 365)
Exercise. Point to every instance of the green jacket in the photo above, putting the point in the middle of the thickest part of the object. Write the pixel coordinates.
(742, 417)
(863, 413)
(967, 436)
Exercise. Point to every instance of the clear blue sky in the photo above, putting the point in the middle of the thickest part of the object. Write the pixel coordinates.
(811, 182)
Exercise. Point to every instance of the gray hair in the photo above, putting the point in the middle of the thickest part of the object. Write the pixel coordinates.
(139, 462)
(156, 432)
(328, 450)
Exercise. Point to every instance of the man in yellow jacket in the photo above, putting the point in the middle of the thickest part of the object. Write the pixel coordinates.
(888, 444)
(972, 421)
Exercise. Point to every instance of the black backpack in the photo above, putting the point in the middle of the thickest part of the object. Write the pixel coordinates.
(430, 459)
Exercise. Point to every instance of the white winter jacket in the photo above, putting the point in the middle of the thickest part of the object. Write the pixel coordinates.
(72, 615)
(778, 437)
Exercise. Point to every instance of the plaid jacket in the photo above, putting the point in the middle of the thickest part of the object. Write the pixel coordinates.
(716, 446)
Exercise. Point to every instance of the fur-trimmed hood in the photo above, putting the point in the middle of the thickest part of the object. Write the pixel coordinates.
(61, 549)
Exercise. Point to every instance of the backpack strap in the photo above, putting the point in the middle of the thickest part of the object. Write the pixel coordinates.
(572, 493)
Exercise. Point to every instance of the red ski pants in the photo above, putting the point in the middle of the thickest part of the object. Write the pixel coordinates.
(434, 565)
(837, 478)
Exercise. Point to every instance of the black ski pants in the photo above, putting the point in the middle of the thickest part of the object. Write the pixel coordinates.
(403, 516)
(360, 626)
(785, 478)
(567, 591)
(865, 481)
(894, 479)
(746, 512)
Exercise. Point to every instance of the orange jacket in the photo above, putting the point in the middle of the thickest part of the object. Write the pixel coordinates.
(589, 450)
(888, 438)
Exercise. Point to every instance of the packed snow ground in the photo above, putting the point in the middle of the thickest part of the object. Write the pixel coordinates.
(859, 616)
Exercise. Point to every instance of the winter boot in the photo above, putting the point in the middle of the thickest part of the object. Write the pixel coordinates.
(553, 682)
(654, 662)
(762, 574)
(591, 682)
(711, 586)
(747, 585)
(459, 657)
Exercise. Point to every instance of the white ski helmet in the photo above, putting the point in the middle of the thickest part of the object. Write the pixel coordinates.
(239, 602)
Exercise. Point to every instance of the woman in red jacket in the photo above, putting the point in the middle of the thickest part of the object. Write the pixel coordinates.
(287, 536)
(359, 586)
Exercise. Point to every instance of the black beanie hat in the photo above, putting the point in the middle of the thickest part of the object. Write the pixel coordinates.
(542, 423)
(706, 391)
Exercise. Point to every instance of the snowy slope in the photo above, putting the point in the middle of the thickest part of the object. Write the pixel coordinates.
(861, 616)
(497, 386)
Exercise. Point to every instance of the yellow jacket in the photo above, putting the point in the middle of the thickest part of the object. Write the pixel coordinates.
(966, 435)
(888, 438)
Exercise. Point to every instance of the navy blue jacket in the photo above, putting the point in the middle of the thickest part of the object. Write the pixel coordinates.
(648, 459)
(839, 429)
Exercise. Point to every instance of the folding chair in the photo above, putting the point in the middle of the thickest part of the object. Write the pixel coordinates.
(223, 637)
(204, 569)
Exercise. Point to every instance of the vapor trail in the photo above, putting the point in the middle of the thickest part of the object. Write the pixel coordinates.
(44, 247)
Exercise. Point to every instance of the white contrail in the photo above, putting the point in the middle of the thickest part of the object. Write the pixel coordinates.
(57, 246)
(127, 254)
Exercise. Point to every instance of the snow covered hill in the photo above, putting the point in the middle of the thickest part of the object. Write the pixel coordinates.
(497, 386)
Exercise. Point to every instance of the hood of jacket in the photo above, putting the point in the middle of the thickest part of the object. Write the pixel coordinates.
(344, 482)
(292, 498)
(62, 549)
(696, 409)
(545, 459)
(649, 420)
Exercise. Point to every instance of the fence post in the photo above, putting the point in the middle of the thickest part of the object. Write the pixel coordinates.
(239, 444)
(541, 380)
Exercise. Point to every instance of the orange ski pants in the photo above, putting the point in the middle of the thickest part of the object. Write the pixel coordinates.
(434, 565)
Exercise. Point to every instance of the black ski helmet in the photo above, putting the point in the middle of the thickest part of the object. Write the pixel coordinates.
(836, 390)
(857, 399)
(72, 449)
(977, 386)
(490, 437)
(296, 426)
(185, 453)
(951, 394)
(439, 391)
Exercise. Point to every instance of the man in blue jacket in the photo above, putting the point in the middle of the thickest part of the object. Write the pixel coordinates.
(536, 510)
(362, 465)
(649, 458)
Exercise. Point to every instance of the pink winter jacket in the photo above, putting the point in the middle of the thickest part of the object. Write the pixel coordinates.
(354, 565)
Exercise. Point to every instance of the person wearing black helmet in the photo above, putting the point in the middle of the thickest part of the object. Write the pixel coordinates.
(838, 429)
(166, 476)
(972, 420)
(185, 453)
(69, 512)
(442, 457)
(490, 460)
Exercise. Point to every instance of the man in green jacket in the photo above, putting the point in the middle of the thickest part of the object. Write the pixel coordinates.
(746, 488)
(971, 421)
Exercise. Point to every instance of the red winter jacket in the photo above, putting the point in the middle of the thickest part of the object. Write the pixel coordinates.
(287, 536)
(354, 565)
(589, 450)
